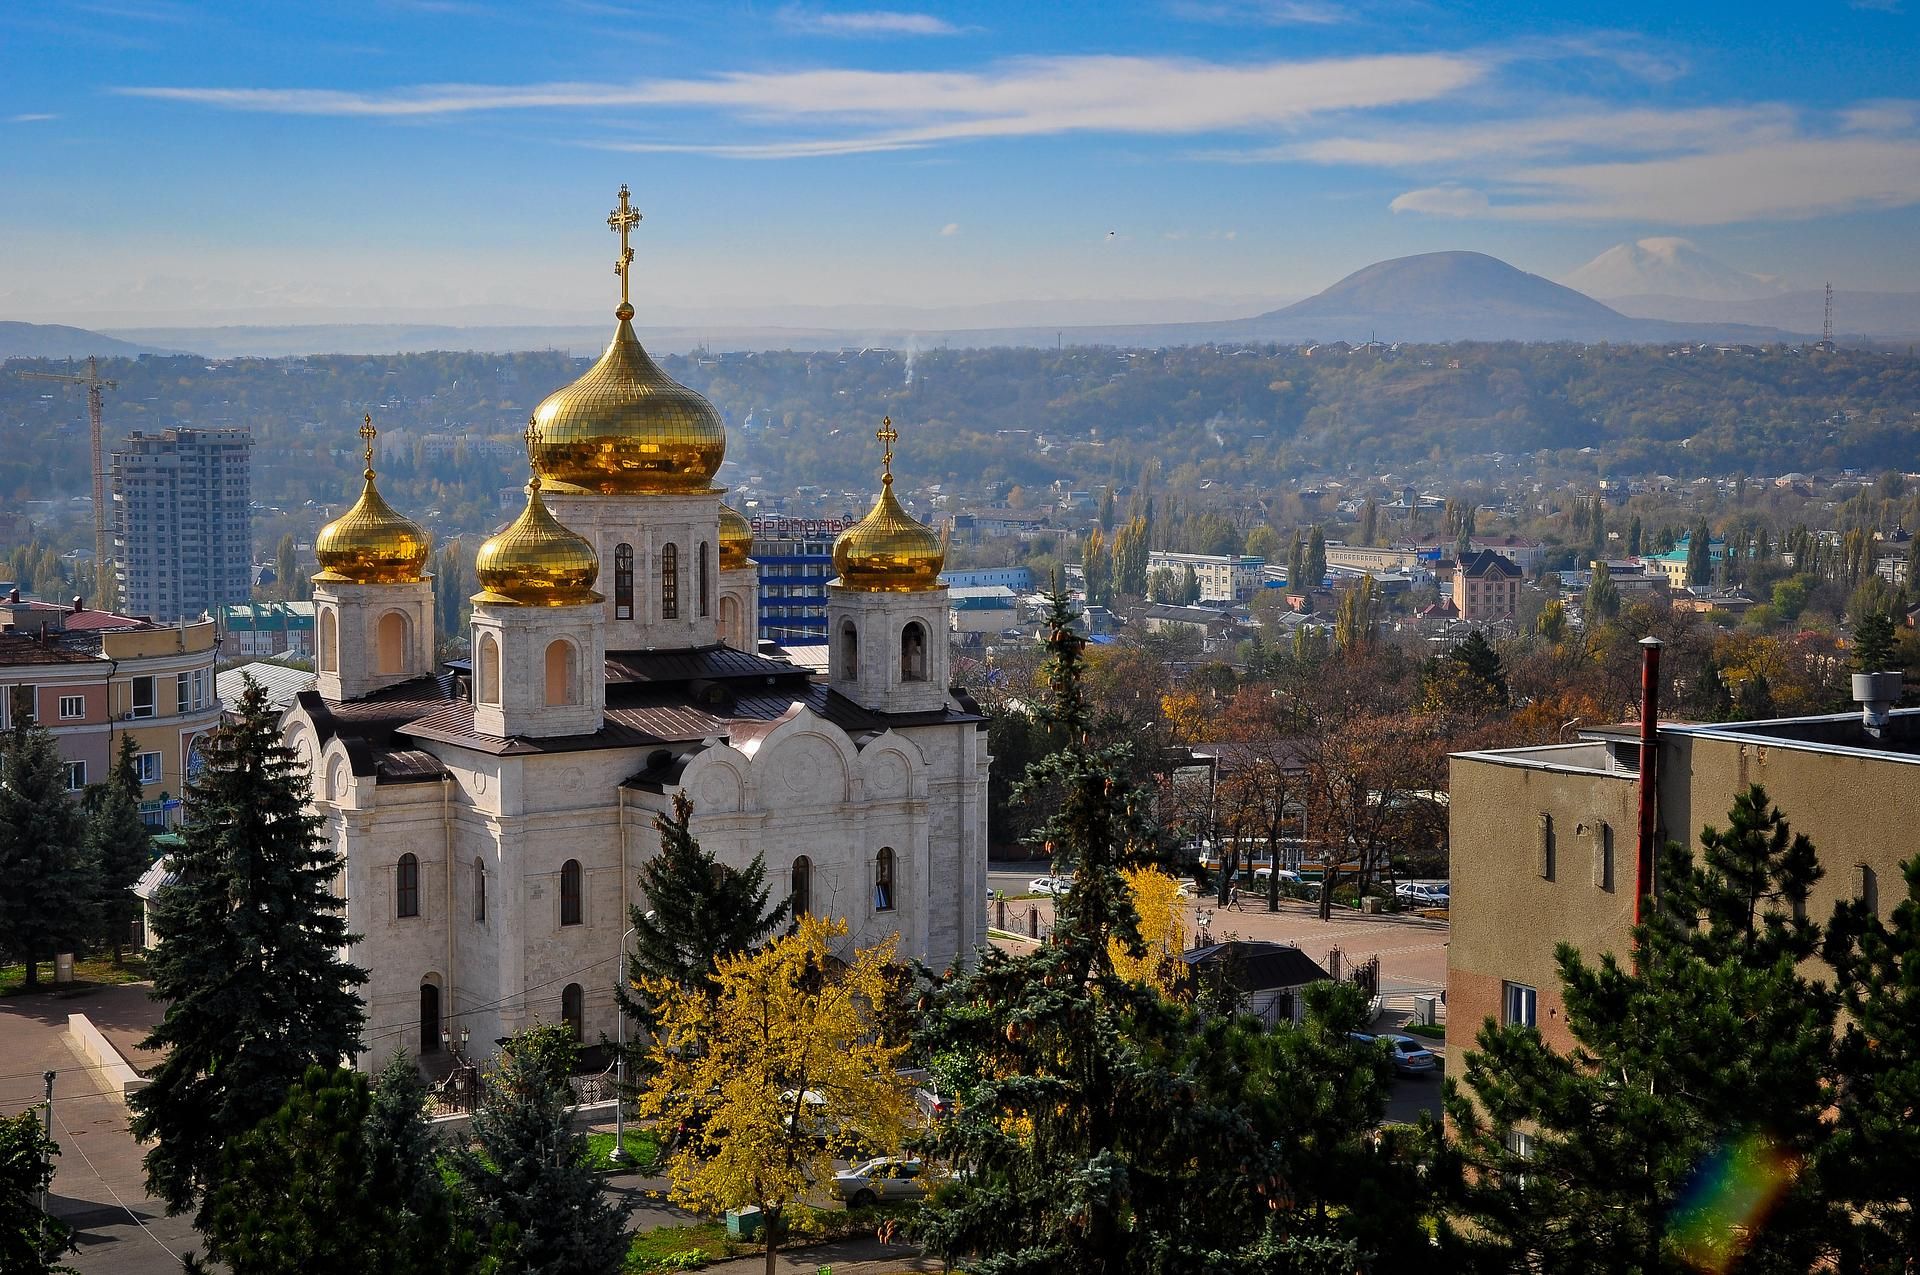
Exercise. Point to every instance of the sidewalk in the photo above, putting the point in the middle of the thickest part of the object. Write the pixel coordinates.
(846, 1257)
(99, 1182)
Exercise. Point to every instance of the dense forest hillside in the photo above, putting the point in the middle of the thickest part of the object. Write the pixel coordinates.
(1254, 416)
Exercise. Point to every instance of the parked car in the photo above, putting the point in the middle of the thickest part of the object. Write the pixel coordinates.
(933, 1108)
(1409, 1056)
(1419, 895)
(887, 1178)
(1050, 885)
(1287, 875)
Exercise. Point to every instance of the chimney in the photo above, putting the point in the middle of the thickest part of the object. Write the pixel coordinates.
(79, 604)
(13, 594)
(1876, 693)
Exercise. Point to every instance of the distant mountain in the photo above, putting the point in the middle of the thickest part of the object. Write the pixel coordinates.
(1457, 296)
(1885, 315)
(1669, 267)
(56, 341)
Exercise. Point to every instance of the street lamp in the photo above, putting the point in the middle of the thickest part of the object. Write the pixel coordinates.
(619, 1153)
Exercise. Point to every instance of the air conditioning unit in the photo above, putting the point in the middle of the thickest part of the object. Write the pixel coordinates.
(127, 716)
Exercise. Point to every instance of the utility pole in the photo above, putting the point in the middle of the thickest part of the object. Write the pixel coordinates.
(619, 1153)
(48, 1076)
(105, 587)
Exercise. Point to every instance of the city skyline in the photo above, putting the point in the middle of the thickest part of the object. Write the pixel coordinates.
(196, 163)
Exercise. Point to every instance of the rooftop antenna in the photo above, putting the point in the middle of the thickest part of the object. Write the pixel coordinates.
(1826, 328)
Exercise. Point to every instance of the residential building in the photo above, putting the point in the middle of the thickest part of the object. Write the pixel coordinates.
(982, 611)
(1223, 577)
(1673, 563)
(270, 628)
(91, 677)
(1019, 579)
(1545, 839)
(183, 527)
(1486, 586)
(795, 559)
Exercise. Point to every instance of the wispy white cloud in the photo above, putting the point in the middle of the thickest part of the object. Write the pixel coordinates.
(867, 22)
(31, 117)
(1269, 13)
(1877, 6)
(949, 230)
(1027, 97)
(1442, 201)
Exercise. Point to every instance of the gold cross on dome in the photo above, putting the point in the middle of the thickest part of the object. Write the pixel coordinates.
(887, 435)
(620, 221)
(367, 434)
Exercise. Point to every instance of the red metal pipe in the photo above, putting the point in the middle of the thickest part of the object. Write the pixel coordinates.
(1649, 779)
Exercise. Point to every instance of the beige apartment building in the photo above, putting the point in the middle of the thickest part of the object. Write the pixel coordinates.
(1544, 839)
(1486, 586)
(91, 677)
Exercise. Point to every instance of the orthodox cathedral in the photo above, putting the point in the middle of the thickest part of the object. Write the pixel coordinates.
(493, 813)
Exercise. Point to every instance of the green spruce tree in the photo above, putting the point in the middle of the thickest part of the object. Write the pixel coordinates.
(694, 910)
(46, 905)
(534, 1194)
(248, 957)
(119, 846)
(1602, 600)
(31, 1242)
(405, 1159)
(1699, 556)
(311, 1188)
(1703, 1050)
(1873, 643)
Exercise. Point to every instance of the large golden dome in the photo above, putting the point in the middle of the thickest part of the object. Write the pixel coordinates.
(372, 543)
(889, 551)
(626, 427)
(536, 562)
(736, 538)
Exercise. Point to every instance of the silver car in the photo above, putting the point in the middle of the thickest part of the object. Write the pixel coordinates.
(887, 1178)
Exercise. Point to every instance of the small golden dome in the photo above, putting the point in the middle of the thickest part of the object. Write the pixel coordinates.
(372, 543)
(889, 551)
(536, 562)
(736, 538)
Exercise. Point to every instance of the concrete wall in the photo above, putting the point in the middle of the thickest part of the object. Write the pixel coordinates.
(111, 1070)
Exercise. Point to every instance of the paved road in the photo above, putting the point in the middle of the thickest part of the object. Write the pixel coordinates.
(98, 1185)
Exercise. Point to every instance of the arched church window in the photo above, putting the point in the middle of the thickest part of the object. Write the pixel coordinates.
(329, 642)
(407, 886)
(623, 582)
(480, 890)
(570, 892)
(489, 669)
(913, 653)
(573, 1010)
(883, 880)
(730, 623)
(706, 583)
(802, 887)
(670, 583)
(562, 673)
(390, 637)
(849, 650)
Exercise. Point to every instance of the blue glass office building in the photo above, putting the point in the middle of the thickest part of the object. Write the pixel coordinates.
(795, 556)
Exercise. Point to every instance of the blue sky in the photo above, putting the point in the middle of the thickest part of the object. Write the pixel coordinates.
(180, 160)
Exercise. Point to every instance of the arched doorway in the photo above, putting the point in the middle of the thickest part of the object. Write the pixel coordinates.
(429, 1018)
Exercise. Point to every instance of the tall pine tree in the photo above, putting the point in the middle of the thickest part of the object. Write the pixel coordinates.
(534, 1194)
(1702, 1058)
(31, 1242)
(46, 906)
(695, 910)
(119, 846)
(248, 958)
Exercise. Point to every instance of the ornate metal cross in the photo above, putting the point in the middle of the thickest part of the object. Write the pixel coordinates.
(367, 434)
(622, 220)
(887, 435)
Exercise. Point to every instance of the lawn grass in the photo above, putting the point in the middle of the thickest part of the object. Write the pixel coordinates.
(642, 1146)
(96, 970)
(681, 1248)
(1421, 1029)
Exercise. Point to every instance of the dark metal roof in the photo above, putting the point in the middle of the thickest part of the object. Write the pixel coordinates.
(409, 766)
(705, 663)
(1260, 966)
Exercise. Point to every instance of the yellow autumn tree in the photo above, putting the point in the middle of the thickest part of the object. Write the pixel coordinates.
(784, 1062)
(1163, 929)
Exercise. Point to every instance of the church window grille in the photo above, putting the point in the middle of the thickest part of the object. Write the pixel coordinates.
(570, 892)
(407, 892)
(623, 582)
(480, 890)
(562, 673)
(489, 669)
(392, 638)
(670, 583)
(883, 880)
(706, 583)
(849, 651)
(329, 642)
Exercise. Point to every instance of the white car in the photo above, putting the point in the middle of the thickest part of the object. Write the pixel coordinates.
(1050, 885)
(887, 1178)
(1424, 896)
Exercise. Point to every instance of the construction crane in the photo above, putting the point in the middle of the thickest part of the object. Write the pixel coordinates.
(104, 585)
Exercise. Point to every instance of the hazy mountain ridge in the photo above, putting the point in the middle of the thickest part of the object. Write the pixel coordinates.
(1667, 266)
(58, 341)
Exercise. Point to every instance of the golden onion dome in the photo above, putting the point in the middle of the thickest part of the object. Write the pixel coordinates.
(626, 427)
(889, 550)
(372, 543)
(736, 538)
(536, 562)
